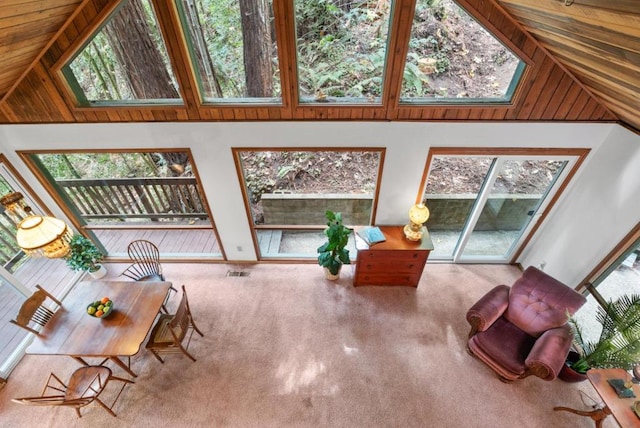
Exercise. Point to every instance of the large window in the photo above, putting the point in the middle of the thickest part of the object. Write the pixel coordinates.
(122, 196)
(621, 277)
(126, 61)
(289, 191)
(453, 59)
(233, 48)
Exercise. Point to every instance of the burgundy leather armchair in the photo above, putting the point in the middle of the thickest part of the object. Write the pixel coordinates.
(522, 330)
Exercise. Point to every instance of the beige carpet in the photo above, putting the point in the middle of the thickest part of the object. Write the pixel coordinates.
(286, 348)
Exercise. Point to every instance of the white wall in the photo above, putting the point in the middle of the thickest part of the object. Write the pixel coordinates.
(595, 213)
(567, 234)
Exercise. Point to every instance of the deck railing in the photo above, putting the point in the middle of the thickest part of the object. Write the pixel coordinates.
(117, 199)
(136, 198)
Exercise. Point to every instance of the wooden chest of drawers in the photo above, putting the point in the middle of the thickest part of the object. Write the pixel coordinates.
(396, 261)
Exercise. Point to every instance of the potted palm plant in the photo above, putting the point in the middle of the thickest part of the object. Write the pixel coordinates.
(333, 254)
(85, 256)
(619, 342)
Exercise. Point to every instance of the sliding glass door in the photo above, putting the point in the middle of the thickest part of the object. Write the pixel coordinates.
(483, 207)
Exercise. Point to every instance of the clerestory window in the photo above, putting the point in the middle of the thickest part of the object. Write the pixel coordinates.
(126, 61)
(233, 49)
(454, 59)
(341, 50)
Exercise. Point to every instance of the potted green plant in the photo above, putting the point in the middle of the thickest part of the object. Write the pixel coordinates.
(85, 256)
(333, 254)
(619, 342)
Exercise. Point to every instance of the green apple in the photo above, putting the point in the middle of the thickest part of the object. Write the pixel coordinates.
(91, 310)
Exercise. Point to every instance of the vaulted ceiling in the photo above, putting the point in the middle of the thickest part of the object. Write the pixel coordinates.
(597, 42)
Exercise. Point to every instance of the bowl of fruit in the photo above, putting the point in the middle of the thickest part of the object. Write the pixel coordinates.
(100, 308)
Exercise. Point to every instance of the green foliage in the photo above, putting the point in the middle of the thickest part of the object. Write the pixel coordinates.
(316, 18)
(619, 341)
(332, 254)
(104, 165)
(341, 50)
(84, 256)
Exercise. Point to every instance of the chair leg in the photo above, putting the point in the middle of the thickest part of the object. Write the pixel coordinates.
(193, 324)
(78, 412)
(121, 379)
(155, 354)
(185, 352)
(104, 406)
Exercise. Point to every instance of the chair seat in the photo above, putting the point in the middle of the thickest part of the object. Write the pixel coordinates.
(161, 333)
(84, 378)
(504, 347)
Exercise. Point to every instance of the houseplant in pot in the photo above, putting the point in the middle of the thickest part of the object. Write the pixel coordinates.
(619, 342)
(85, 256)
(332, 254)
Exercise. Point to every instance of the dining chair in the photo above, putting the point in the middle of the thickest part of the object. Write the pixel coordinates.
(83, 388)
(146, 265)
(36, 311)
(172, 332)
(146, 261)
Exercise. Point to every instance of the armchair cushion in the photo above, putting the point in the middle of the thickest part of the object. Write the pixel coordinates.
(506, 343)
(538, 302)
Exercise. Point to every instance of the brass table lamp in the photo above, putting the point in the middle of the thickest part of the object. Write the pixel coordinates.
(418, 215)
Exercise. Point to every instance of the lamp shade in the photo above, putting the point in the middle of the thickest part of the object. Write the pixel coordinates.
(43, 236)
(419, 213)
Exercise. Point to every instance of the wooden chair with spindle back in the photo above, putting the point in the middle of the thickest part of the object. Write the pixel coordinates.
(172, 332)
(146, 261)
(83, 388)
(36, 311)
(146, 264)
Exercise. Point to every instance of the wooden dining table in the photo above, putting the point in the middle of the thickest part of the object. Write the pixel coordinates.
(75, 333)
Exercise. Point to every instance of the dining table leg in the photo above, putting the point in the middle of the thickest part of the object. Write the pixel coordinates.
(122, 365)
(80, 360)
(113, 358)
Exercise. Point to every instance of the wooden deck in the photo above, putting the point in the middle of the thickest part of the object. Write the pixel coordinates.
(55, 276)
(172, 243)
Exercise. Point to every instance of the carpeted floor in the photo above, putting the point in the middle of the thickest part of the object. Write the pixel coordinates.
(284, 347)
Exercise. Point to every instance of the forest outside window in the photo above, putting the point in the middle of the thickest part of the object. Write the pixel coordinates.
(126, 61)
(233, 49)
(341, 50)
(453, 59)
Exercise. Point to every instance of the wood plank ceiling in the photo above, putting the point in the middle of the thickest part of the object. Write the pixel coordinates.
(583, 65)
(27, 28)
(597, 40)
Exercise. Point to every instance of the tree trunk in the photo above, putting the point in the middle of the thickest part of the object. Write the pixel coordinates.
(129, 35)
(257, 48)
(208, 73)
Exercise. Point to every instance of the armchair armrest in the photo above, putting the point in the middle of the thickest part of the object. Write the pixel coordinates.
(550, 352)
(488, 309)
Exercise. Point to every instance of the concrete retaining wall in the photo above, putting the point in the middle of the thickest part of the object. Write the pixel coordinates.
(448, 212)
